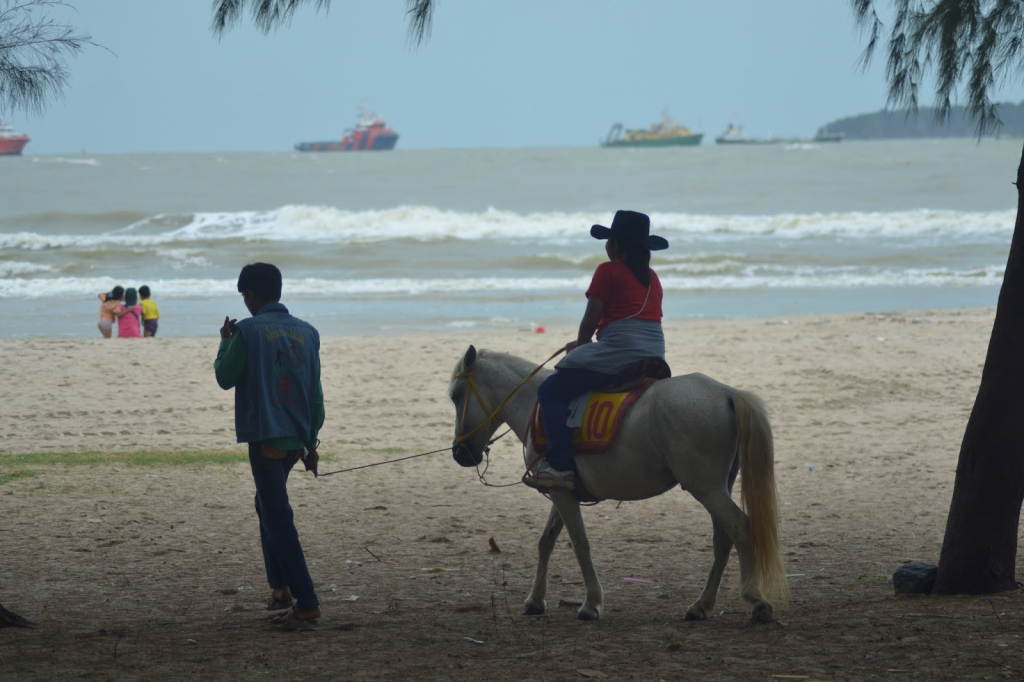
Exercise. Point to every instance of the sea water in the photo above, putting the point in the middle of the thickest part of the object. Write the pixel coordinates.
(499, 238)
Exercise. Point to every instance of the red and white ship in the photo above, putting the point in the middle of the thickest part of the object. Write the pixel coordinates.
(10, 141)
(370, 134)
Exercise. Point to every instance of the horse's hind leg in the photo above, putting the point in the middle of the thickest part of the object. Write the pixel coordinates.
(534, 604)
(701, 609)
(569, 509)
(731, 518)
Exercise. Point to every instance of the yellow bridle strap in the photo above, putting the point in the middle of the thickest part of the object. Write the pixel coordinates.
(483, 403)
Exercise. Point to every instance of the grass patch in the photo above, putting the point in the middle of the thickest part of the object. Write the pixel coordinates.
(18, 464)
(8, 476)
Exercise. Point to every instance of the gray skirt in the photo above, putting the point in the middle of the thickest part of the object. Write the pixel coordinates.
(618, 346)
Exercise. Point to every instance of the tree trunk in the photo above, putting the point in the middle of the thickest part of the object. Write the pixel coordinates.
(979, 550)
(12, 620)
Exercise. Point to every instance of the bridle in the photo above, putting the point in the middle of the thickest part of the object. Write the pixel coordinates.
(474, 388)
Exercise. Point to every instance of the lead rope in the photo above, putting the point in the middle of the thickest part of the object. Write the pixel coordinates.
(487, 448)
(377, 464)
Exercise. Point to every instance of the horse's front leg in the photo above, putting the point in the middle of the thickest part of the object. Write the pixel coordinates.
(569, 509)
(534, 604)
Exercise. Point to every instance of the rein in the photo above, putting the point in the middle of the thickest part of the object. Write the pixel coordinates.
(465, 407)
(471, 381)
(468, 375)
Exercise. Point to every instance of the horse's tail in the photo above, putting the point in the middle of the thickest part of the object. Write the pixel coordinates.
(759, 496)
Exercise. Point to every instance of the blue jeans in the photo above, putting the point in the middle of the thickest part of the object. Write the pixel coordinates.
(554, 395)
(282, 553)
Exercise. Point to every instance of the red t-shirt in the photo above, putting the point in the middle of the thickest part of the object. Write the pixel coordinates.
(623, 294)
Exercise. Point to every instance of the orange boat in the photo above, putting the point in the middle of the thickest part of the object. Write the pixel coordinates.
(370, 134)
(10, 141)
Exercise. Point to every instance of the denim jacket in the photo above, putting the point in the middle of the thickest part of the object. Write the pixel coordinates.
(277, 394)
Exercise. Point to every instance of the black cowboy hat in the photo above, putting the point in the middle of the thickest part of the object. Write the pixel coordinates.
(633, 227)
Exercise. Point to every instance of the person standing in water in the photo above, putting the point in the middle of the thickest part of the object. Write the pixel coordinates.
(150, 312)
(110, 304)
(129, 316)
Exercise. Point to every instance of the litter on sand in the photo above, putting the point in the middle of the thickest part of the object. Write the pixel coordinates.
(636, 580)
(494, 546)
(473, 641)
(438, 569)
(352, 597)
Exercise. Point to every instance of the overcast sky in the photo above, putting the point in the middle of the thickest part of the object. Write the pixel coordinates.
(496, 74)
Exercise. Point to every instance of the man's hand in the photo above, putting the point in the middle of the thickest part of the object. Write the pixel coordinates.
(570, 346)
(228, 329)
(311, 460)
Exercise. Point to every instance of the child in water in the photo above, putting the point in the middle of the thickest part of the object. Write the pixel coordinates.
(110, 303)
(129, 317)
(150, 312)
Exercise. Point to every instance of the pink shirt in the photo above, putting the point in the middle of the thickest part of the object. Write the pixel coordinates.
(128, 324)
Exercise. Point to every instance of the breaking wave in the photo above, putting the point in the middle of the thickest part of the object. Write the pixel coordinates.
(317, 224)
(756, 277)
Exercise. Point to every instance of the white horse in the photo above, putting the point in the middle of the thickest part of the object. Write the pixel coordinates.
(689, 430)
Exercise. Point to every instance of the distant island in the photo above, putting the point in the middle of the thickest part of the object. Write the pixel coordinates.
(889, 125)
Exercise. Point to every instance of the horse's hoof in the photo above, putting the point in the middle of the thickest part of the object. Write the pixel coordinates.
(762, 614)
(530, 609)
(588, 613)
(695, 613)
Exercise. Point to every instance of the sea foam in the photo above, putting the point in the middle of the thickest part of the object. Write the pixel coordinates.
(327, 225)
(752, 278)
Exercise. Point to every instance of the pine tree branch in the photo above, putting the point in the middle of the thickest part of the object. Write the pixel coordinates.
(971, 46)
(34, 49)
(269, 15)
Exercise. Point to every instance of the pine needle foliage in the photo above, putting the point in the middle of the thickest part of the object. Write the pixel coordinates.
(34, 49)
(978, 44)
(268, 15)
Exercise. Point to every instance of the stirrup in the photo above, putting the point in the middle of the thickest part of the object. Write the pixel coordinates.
(548, 478)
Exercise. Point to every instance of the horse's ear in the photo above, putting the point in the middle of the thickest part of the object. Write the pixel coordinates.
(470, 358)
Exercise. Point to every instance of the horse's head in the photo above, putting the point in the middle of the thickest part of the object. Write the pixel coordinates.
(471, 413)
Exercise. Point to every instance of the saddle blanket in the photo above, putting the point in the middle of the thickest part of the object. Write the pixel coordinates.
(601, 421)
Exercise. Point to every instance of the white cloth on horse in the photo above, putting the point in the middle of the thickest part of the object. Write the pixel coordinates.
(618, 346)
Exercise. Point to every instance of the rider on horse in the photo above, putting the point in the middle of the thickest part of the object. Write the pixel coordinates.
(624, 309)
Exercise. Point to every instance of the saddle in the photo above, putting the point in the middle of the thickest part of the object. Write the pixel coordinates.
(635, 375)
(605, 408)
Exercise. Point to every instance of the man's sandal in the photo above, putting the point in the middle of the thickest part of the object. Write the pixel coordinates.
(293, 621)
(274, 604)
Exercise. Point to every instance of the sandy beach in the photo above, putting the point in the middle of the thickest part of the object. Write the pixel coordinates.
(154, 572)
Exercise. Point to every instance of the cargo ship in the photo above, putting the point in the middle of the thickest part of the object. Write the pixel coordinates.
(370, 134)
(667, 133)
(736, 135)
(10, 141)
